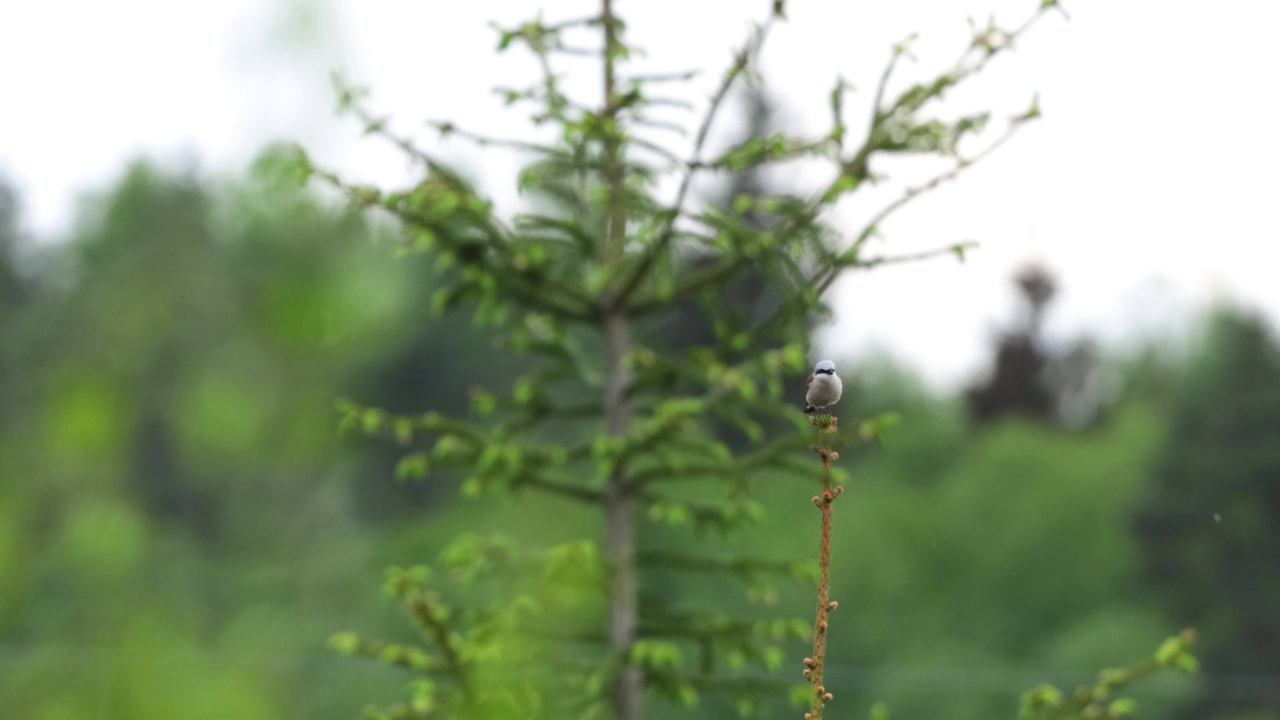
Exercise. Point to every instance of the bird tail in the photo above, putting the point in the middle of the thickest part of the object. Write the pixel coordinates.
(810, 409)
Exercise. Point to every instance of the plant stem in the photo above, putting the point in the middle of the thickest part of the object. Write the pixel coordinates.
(624, 609)
(620, 548)
(826, 425)
(421, 608)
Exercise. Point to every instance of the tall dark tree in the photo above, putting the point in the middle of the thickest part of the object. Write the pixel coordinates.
(1017, 384)
(14, 292)
(1210, 525)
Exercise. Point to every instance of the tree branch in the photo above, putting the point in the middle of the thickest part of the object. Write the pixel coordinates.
(448, 129)
(876, 114)
(935, 182)
(420, 607)
(572, 492)
(1170, 654)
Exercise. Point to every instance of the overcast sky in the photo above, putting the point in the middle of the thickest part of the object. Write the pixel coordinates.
(1150, 186)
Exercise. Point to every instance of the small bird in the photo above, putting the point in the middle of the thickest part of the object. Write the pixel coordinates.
(823, 387)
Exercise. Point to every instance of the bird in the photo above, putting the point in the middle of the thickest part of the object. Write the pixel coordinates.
(823, 387)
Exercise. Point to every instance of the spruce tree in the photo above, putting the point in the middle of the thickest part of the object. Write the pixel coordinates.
(1208, 526)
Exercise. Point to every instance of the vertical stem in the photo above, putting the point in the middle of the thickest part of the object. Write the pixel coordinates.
(624, 609)
(820, 624)
(826, 425)
(420, 606)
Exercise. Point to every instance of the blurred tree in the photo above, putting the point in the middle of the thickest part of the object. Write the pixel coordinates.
(1017, 385)
(1210, 522)
(1072, 388)
(170, 450)
(1012, 560)
(14, 291)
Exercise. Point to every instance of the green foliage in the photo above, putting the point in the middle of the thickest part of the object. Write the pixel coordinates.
(1047, 702)
(1207, 523)
(1009, 565)
(178, 523)
(173, 450)
(609, 417)
(159, 559)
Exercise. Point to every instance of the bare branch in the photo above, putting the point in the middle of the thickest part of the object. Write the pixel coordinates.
(826, 426)
(663, 77)
(448, 129)
(378, 127)
(825, 276)
(898, 51)
(585, 21)
(823, 279)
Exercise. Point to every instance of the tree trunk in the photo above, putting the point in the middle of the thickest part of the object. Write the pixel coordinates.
(624, 610)
(619, 545)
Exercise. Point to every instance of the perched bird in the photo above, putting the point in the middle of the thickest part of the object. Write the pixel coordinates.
(823, 387)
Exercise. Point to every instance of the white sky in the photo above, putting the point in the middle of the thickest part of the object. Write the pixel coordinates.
(1150, 185)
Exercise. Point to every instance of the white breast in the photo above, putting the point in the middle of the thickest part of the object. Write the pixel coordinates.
(825, 390)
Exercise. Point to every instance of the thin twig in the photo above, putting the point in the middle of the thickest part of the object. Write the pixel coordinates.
(827, 275)
(827, 428)
(935, 182)
(898, 51)
(953, 249)
(662, 77)
(447, 129)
